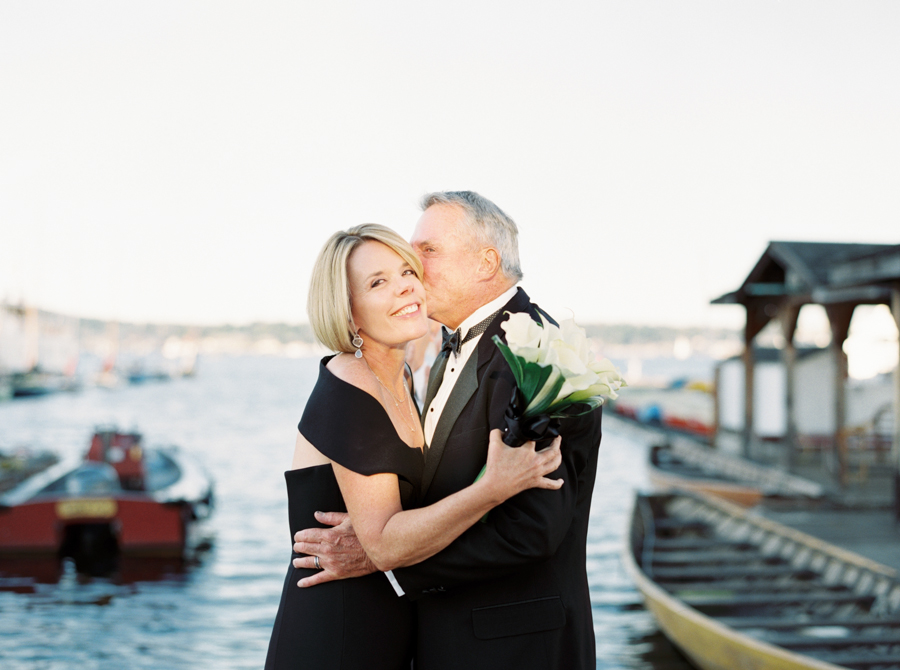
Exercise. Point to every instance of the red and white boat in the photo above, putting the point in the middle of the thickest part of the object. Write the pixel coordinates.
(121, 498)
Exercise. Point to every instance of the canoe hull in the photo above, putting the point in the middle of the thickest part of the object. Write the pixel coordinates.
(686, 466)
(788, 601)
(708, 644)
(745, 496)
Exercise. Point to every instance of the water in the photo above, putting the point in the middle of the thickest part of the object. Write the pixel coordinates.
(239, 417)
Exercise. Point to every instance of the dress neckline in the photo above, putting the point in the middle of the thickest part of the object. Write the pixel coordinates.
(324, 365)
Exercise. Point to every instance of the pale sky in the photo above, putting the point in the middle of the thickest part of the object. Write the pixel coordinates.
(185, 161)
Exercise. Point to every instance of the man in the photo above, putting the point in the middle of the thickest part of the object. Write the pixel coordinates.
(511, 592)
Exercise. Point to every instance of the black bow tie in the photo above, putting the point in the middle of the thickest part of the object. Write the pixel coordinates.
(450, 341)
(453, 341)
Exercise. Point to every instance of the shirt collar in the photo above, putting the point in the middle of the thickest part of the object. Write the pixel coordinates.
(485, 311)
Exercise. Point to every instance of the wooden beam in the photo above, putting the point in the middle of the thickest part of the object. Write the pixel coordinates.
(751, 572)
(895, 310)
(791, 620)
(717, 407)
(787, 316)
(709, 601)
(839, 316)
(759, 312)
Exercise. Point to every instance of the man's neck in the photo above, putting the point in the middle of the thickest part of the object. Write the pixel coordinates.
(487, 308)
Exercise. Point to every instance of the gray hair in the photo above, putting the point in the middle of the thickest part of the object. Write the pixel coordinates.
(488, 224)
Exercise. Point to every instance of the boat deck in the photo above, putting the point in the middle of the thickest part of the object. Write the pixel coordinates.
(861, 515)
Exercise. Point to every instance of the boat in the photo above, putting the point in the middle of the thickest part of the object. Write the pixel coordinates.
(22, 464)
(682, 464)
(120, 498)
(685, 408)
(35, 383)
(734, 590)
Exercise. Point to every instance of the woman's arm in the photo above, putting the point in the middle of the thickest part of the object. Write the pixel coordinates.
(393, 537)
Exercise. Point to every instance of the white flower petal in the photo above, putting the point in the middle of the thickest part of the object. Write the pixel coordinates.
(521, 331)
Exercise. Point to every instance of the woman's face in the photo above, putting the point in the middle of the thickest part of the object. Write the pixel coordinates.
(387, 299)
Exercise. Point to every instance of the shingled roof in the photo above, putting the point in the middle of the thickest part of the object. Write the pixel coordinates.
(797, 269)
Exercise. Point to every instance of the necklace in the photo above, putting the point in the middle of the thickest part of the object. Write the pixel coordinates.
(412, 424)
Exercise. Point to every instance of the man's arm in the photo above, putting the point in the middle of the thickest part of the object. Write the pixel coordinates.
(339, 551)
(527, 528)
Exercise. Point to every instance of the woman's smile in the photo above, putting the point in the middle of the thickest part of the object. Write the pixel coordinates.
(409, 309)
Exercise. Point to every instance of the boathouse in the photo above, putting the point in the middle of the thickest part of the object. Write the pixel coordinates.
(839, 277)
(869, 402)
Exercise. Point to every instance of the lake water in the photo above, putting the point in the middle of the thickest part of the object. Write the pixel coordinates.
(239, 417)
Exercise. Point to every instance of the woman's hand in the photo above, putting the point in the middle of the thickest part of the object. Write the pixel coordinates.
(511, 470)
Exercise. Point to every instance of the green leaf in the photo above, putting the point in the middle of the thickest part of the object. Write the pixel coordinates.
(564, 409)
(547, 393)
(515, 363)
(534, 378)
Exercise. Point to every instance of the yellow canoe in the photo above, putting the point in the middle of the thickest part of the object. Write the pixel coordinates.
(685, 465)
(737, 592)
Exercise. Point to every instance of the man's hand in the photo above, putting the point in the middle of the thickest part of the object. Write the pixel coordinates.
(339, 551)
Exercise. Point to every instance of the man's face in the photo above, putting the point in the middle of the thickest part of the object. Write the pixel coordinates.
(450, 259)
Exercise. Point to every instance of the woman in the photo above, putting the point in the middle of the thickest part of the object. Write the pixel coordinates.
(360, 448)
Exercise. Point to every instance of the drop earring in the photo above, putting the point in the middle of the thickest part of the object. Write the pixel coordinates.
(357, 342)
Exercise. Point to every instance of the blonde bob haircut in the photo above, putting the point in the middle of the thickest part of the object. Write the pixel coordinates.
(329, 302)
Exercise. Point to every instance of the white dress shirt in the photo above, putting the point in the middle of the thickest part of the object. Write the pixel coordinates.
(455, 364)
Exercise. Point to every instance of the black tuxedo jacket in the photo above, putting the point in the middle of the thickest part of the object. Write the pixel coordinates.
(511, 592)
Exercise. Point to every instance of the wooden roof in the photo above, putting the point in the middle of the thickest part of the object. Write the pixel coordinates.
(801, 270)
(881, 267)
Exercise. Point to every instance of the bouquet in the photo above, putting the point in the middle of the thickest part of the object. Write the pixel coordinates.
(555, 377)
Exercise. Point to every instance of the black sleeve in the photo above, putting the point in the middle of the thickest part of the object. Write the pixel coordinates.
(526, 528)
(351, 428)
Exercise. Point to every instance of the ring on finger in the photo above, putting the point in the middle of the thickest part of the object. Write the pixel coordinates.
(318, 567)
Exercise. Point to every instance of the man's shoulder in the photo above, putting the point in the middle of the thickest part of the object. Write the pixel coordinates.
(520, 302)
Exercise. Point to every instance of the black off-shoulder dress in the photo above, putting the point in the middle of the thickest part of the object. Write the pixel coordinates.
(351, 623)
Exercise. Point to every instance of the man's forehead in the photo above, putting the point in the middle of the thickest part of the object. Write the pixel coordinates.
(438, 224)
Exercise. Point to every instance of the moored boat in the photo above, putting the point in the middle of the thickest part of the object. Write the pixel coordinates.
(733, 590)
(121, 498)
(681, 464)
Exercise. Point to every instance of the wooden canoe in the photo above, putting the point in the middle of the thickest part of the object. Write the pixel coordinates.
(736, 591)
(684, 465)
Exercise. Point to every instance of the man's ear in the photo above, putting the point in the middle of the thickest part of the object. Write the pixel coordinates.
(490, 263)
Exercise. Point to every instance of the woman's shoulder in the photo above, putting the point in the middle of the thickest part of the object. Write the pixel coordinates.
(346, 422)
(352, 371)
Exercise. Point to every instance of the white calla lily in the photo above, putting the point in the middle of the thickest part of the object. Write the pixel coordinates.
(523, 335)
(566, 350)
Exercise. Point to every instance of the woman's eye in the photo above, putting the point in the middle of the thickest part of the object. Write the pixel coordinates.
(377, 282)
(410, 271)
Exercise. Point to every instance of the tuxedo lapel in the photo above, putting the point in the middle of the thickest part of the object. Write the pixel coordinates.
(465, 386)
(464, 389)
(434, 381)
